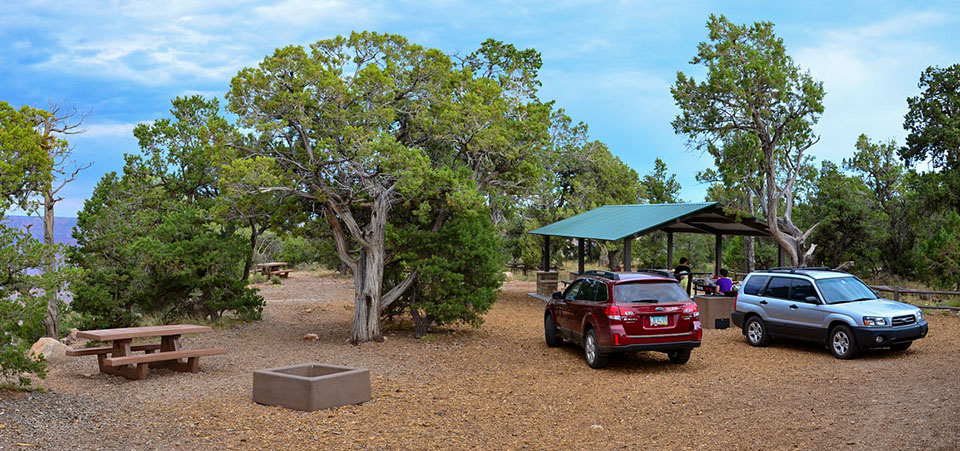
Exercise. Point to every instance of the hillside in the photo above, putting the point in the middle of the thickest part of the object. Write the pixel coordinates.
(62, 227)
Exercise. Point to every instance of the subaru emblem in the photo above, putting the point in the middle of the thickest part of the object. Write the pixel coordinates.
(659, 309)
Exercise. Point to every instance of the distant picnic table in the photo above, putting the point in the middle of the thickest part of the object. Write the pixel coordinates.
(118, 358)
(274, 269)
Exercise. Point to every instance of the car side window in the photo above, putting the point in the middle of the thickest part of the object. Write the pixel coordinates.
(755, 284)
(779, 287)
(601, 292)
(588, 291)
(572, 290)
(801, 289)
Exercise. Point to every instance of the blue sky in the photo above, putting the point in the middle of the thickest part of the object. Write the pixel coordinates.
(609, 64)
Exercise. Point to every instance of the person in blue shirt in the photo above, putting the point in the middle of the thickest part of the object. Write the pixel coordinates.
(724, 284)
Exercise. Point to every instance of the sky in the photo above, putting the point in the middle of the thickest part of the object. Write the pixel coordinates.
(608, 64)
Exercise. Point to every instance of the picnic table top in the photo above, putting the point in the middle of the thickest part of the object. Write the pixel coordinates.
(124, 333)
(270, 264)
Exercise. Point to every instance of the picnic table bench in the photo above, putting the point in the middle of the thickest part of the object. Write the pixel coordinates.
(274, 269)
(118, 358)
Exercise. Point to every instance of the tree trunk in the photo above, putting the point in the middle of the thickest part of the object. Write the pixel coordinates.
(749, 242)
(367, 286)
(421, 323)
(786, 241)
(51, 324)
(604, 255)
(248, 265)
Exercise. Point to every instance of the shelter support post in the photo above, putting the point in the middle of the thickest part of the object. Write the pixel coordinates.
(718, 256)
(780, 253)
(545, 264)
(626, 252)
(580, 247)
(669, 250)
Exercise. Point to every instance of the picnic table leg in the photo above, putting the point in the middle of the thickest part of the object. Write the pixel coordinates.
(167, 343)
(121, 348)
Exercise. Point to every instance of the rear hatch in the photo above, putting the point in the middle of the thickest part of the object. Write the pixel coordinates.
(653, 308)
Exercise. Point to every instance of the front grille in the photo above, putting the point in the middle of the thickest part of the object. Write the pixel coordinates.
(904, 320)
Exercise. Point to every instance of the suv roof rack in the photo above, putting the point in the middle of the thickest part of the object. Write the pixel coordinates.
(801, 268)
(605, 274)
(658, 272)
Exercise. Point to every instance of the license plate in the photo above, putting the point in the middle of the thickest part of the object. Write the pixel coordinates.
(658, 320)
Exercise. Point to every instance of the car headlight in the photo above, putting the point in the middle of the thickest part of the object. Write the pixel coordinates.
(919, 316)
(874, 321)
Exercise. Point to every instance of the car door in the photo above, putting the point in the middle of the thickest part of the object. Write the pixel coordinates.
(775, 303)
(563, 306)
(584, 300)
(806, 317)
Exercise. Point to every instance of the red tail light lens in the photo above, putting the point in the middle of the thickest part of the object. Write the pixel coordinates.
(612, 312)
(691, 310)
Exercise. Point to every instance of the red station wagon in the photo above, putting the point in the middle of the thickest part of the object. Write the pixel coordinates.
(609, 312)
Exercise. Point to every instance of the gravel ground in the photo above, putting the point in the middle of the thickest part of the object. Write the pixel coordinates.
(501, 387)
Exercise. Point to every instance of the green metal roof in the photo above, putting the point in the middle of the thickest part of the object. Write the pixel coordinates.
(613, 222)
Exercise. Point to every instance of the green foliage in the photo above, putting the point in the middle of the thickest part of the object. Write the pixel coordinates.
(24, 166)
(149, 240)
(755, 114)
(22, 306)
(940, 254)
(933, 128)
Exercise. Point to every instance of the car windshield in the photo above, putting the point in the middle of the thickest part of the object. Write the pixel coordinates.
(653, 292)
(844, 289)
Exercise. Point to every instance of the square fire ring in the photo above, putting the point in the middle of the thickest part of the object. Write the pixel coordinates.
(311, 386)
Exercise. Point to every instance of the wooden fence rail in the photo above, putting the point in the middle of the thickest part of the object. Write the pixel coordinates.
(897, 291)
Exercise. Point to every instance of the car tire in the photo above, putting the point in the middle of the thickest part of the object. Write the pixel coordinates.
(550, 333)
(679, 357)
(901, 346)
(842, 343)
(591, 351)
(756, 331)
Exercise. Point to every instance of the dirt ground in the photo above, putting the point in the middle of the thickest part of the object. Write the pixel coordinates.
(500, 387)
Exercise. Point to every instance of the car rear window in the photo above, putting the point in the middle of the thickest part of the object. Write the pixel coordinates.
(754, 284)
(658, 292)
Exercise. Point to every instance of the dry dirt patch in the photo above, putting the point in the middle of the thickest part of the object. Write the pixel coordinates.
(501, 387)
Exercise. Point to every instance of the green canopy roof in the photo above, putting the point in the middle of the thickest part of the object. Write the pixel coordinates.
(613, 222)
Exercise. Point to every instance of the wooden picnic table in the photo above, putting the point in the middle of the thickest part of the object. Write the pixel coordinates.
(166, 354)
(274, 269)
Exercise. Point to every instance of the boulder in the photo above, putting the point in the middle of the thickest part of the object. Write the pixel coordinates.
(52, 350)
(311, 337)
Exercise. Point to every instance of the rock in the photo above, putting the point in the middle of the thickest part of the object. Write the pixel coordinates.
(311, 337)
(52, 350)
(508, 275)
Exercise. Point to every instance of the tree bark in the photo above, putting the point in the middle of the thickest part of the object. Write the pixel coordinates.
(749, 242)
(51, 324)
(248, 265)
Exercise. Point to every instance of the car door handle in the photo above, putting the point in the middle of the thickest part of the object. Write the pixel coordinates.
(793, 306)
(763, 302)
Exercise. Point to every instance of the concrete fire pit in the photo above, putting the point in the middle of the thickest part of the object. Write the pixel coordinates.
(311, 386)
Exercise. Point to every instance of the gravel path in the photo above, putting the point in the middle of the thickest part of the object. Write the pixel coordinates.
(501, 387)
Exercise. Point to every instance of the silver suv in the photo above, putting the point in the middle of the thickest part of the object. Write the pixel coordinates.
(824, 306)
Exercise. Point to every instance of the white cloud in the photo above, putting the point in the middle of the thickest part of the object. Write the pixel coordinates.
(108, 129)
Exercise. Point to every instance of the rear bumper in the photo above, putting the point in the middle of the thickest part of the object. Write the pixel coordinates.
(867, 336)
(660, 347)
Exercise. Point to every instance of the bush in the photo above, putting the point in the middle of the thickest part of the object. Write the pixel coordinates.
(22, 305)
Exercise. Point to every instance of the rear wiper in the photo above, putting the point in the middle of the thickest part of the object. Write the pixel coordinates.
(647, 300)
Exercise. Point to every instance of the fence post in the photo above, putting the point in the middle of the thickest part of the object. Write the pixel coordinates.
(896, 294)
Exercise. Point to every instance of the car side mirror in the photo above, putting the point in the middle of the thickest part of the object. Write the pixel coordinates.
(557, 295)
(812, 300)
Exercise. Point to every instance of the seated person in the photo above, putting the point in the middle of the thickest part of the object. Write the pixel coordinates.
(724, 284)
(682, 268)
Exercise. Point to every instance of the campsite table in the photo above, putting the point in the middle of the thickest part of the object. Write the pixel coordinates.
(273, 268)
(166, 354)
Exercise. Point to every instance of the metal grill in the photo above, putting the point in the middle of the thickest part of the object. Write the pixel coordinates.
(904, 320)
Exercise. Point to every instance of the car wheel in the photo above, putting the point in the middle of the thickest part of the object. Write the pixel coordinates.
(843, 345)
(550, 332)
(756, 332)
(901, 346)
(679, 357)
(591, 350)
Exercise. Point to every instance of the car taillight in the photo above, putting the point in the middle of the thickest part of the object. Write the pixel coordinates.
(612, 312)
(691, 311)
